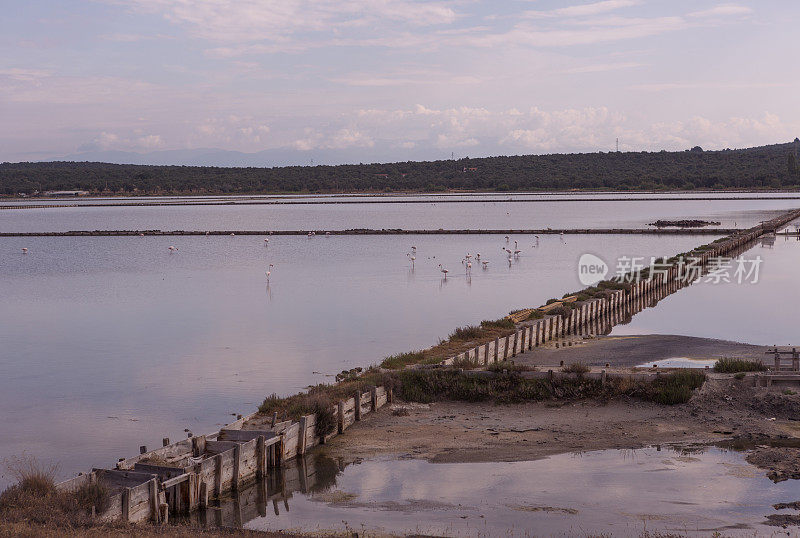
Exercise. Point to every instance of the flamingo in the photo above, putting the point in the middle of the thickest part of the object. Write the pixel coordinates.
(478, 256)
(443, 270)
(485, 264)
(469, 267)
(172, 248)
(269, 271)
(414, 248)
(266, 242)
(24, 250)
(506, 239)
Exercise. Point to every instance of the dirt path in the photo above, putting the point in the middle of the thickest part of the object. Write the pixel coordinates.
(625, 351)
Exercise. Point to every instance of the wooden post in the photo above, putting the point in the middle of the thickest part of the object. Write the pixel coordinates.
(374, 396)
(204, 494)
(237, 461)
(126, 505)
(154, 510)
(218, 475)
(486, 354)
(340, 405)
(165, 441)
(505, 350)
(795, 360)
(301, 441)
(142, 449)
(274, 419)
(496, 348)
(192, 483)
(357, 398)
(261, 458)
(516, 341)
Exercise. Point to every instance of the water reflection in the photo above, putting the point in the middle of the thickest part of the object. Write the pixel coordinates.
(491, 212)
(761, 313)
(696, 489)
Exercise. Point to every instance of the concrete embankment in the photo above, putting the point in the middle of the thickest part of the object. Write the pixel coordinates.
(182, 477)
(388, 231)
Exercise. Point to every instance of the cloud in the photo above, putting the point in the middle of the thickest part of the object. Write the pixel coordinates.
(584, 10)
(150, 141)
(603, 67)
(727, 10)
(242, 21)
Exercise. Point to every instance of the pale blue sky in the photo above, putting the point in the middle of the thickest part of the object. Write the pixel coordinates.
(363, 80)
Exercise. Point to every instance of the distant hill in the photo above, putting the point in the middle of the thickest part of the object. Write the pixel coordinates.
(774, 166)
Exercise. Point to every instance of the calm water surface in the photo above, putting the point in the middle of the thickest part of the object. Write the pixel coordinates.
(764, 313)
(609, 492)
(109, 343)
(493, 212)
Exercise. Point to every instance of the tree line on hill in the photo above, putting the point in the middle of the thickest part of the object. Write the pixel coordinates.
(766, 167)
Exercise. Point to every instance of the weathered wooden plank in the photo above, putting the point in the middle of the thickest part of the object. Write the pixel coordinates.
(247, 435)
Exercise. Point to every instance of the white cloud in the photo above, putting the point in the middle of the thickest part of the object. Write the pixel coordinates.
(603, 67)
(725, 10)
(584, 10)
(241, 21)
(150, 142)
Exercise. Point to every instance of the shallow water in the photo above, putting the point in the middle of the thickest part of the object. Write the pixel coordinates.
(764, 313)
(619, 492)
(492, 212)
(109, 343)
(679, 362)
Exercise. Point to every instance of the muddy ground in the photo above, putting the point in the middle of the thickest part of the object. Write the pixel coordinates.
(724, 408)
(471, 432)
(626, 351)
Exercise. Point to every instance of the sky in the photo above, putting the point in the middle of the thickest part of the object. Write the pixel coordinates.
(310, 81)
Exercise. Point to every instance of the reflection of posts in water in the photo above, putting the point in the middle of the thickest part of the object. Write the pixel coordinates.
(306, 475)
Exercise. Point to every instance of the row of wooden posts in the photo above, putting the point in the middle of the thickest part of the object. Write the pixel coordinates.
(598, 315)
(181, 477)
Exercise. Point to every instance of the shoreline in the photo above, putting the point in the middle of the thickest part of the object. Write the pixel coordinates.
(388, 231)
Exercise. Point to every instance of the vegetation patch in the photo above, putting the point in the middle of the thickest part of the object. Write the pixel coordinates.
(469, 332)
(677, 387)
(426, 386)
(731, 366)
(576, 368)
(34, 499)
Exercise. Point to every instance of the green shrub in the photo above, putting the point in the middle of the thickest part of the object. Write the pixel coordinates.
(729, 365)
(562, 311)
(576, 368)
(402, 360)
(468, 332)
(677, 387)
(502, 323)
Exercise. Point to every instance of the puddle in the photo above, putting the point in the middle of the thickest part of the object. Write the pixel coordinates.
(679, 362)
(689, 490)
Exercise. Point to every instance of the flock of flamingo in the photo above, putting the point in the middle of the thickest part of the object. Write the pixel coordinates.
(412, 256)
